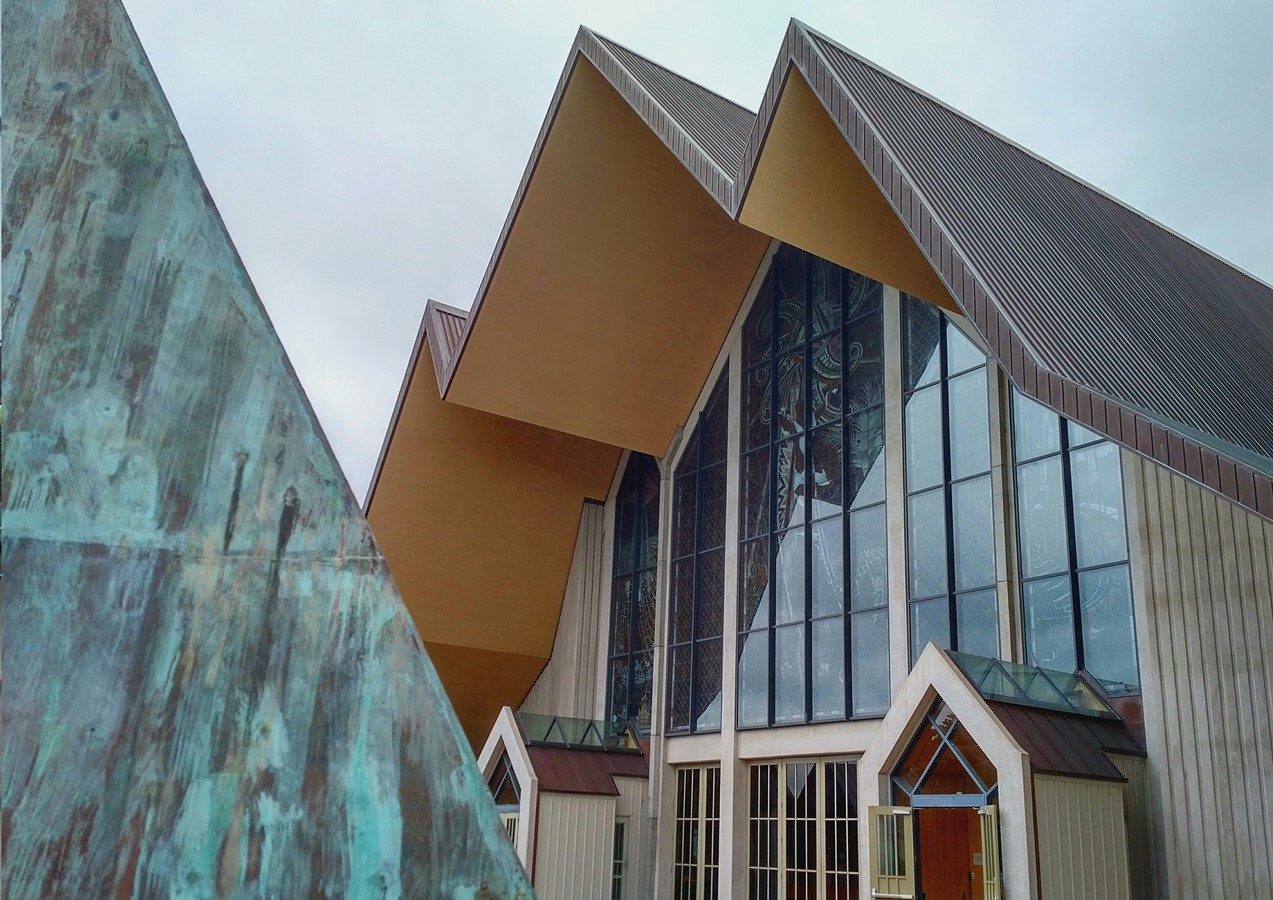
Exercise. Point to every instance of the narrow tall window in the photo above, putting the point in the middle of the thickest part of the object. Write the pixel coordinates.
(697, 607)
(696, 864)
(1073, 544)
(617, 874)
(949, 507)
(812, 477)
(633, 594)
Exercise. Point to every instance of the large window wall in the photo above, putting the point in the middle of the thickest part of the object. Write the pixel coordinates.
(697, 607)
(813, 641)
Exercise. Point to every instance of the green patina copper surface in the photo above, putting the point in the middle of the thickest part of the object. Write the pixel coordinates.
(211, 686)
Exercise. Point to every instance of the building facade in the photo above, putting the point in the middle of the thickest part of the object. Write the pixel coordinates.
(908, 580)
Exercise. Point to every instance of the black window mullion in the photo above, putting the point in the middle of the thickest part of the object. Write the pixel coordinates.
(700, 430)
(773, 486)
(1067, 491)
(846, 543)
(807, 532)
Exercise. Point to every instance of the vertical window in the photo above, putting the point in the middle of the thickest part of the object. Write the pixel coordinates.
(949, 508)
(620, 859)
(813, 642)
(633, 594)
(1073, 544)
(697, 607)
(802, 830)
(696, 866)
(507, 793)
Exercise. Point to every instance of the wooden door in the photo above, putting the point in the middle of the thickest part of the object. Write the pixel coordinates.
(949, 854)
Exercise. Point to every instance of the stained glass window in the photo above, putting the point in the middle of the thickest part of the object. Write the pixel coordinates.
(697, 605)
(1072, 532)
(633, 593)
(813, 641)
(950, 552)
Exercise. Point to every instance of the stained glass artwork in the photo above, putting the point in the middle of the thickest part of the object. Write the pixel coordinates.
(713, 498)
(825, 374)
(622, 600)
(685, 513)
(826, 310)
(633, 590)
(828, 668)
(757, 407)
(826, 559)
(862, 296)
(647, 609)
(864, 364)
(716, 424)
(711, 593)
(755, 499)
(790, 265)
(865, 453)
(682, 606)
(791, 393)
(755, 583)
(790, 477)
(758, 329)
(826, 466)
(868, 558)
(923, 335)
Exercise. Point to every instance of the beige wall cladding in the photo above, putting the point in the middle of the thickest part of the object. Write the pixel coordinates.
(1081, 839)
(1138, 808)
(1202, 573)
(568, 684)
(574, 855)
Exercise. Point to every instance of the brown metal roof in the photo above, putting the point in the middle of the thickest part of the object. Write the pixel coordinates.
(584, 771)
(1067, 744)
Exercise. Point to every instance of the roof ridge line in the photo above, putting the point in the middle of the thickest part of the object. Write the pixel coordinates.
(1024, 149)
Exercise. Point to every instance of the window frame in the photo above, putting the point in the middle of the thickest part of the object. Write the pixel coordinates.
(703, 864)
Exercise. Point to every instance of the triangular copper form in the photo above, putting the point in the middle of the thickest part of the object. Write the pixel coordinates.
(211, 685)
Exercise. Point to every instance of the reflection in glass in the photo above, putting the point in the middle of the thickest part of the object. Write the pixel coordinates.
(1049, 620)
(974, 535)
(924, 439)
(930, 621)
(1041, 517)
(828, 668)
(789, 577)
(789, 674)
(977, 619)
(1036, 429)
(926, 543)
(969, 418)
(870, 662)
(866, 457)
(753, 679)
(961, 353)
(1109, 630)
(868, 547)
(1100, 531)
(827, 559)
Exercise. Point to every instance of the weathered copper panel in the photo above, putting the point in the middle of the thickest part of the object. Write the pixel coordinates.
(211, 685)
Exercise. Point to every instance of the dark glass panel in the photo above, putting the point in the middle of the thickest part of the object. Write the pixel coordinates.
(827, 557)
(926, 543)
(826, 306)
(930, 621)
(791, 384)
(865, 451)
(679, 696)
(753, 679)
(1100, 529)
(1109, 631)
(961, 353)
(923, 333)
(825, 448)
(790, 482)
(648, 521)
(685, 512)
(948, 776)
(716, 424)
(825, 368)
(711, 593)
(789, 673)
(713, 498)
(977, 618)
(707, 697)
(755, 582)
(641, 701)
(968, 416)
(1041, 518)
(619, 672)
(924, 439)
(974, 533)
(757, 408)
(682, 604)
(1036, 429)
(789, 264)
(916, 760)
(1049, 623)
(864, 364)
(974, 756)
(755, 499)
(647, 608)
(868, 558)
(758, 330)
(828, 668)
(622, 605)
(789, 581)
(862, 295)
(869, 653)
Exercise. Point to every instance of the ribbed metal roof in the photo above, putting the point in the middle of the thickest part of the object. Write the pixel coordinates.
(1102, 295)
(719, 126)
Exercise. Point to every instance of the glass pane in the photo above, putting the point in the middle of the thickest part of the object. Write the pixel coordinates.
(790, 482)
(924, 439)
(789, 265)
(974, 533)
(647, 608)
(961, 353)
(1036, 429)
(619, 690)
(789, 674)
(862, 295)
(753, 679)
(789, 588)
(977, 618)
(758, 330)
(682, 604)
(868, 558)
(869, 650)
(1078, 435)
(930, 621)
(923, 331)
(825, 309)
(1049, 623)
(625, 522)
(827, 555)
(678, 715)
(1100, 530)
(791, 378)
(685, 515)
(1041, 518)
(757, 408)
(974, 757)
(755, 499)
(828, 668)
(641, 698)
(948, 776)
(716, 422)
(1109, 631)
(825, 365)
(926, 543)
(713, 498)
(707, 691)
(621, 604)
(865, 450)
(969, 419)
(915, 762)
(826, 446)
(864, 364)
(711, 593)
(754, 605)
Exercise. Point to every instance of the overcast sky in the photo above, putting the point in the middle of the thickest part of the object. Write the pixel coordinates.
(364, 155)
